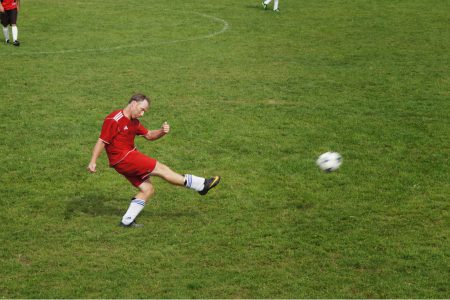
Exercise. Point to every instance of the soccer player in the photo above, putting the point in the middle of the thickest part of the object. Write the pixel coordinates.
(267, 2)
(117, 137)
(8, 14)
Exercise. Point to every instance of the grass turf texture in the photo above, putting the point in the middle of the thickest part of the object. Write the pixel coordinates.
(256, 104)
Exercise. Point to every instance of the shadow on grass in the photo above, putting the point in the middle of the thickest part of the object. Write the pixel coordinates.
(92, 205)
(258, 6)
(171, 214)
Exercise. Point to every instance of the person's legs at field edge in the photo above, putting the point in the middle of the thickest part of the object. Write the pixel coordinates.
(10, 18)
(275, 5)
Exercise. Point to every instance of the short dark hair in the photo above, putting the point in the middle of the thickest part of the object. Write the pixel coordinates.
(139, 98)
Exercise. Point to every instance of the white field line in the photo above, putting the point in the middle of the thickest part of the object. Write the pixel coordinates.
(224, 28)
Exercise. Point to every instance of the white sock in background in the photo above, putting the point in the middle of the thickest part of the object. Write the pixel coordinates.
(194, 182)
(6, 33)
(275, 5)
(15, 32)
(267, 1)
(136, 206)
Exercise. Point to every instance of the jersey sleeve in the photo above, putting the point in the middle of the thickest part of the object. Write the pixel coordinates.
(141, 130)
(110, 129)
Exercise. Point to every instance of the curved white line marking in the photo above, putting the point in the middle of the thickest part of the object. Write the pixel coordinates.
(225, 27)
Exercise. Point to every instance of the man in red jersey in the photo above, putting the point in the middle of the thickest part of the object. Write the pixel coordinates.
(8, 16)
(117, 138)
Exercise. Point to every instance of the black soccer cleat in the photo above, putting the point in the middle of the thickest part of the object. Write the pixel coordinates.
(132, 224)
(16, 43)
(209, 184)
(7, 41)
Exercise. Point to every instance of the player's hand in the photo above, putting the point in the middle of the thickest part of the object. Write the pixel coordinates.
(165, 128)
(92, 167)
(2, 10)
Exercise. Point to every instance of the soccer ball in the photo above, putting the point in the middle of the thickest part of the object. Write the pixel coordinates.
(329, 161)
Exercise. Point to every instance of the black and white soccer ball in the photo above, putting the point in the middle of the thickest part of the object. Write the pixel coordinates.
(329, 161)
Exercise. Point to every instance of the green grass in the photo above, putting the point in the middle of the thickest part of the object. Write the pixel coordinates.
(256, 103)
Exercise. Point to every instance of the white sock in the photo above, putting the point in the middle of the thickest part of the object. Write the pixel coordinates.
(6, 33)
(275, 5)
(194, 182)
(15, 32)
(136, 206)
(267, 1)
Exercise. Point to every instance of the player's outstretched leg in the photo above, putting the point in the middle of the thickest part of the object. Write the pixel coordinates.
(196, 183)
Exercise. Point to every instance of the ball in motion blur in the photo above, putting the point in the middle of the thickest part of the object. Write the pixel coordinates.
(329, 161)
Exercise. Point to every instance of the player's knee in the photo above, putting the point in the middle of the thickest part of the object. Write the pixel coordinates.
(149, 191)
(161, 169)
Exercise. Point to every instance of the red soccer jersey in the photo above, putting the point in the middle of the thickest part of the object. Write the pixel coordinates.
(9, 4)
(118, 133)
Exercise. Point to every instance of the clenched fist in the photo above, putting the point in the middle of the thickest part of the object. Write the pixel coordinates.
(165, 127)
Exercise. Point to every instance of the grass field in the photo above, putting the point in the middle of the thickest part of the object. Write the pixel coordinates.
(254, 96)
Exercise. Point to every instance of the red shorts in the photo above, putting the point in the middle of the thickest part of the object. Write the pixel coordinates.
(136, 167)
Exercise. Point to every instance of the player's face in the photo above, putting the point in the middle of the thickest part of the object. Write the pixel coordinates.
(138, 109)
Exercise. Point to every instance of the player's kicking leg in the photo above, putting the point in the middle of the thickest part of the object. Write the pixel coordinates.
(199, 184)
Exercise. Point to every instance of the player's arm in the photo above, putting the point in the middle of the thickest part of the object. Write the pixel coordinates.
(18, 4)
(98, 149)
(156, 134)
(2, 10)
